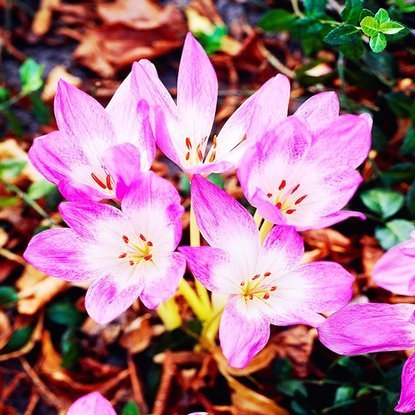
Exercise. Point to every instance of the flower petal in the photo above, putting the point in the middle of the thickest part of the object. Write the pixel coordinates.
(243, 334)
(92, 404)
(407, 399)
(197, 92)
(162, 279)
(83, 119)
(60, 253)
(110, 296)
(369, 328)
(395, 270)
(235, 232)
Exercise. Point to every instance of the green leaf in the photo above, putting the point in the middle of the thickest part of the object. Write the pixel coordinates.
(7, 201)
(348, 363)
(408, 145)
(343, 34)
(352, 10)
(69, 348)
(292, 387)
(378, 42)
(212, 42)
(8, 295)
(384, 202)
(343, 394)
(353, 50)
(278, 20)
(31, 76)
(370, 26)
(130, 408)
(40, 109)
(410, 199)
(65, 313)
(18, 339)
(4, 94)
(391, 28)
(364, 13)
(400, 103)
(217, 179)
(382, 16)
(40, 189)
(395, 231)
(10, 169)
(316, 8)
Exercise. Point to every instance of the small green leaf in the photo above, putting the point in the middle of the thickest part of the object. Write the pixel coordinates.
(40, 109)
(278, 20)
(353, 50)
(65, 313)
(370, 26)
(391, 28)
(10, 169)
(8, 295)
(410, 199)
(343, 34)
(18, 339)
(408, 145)
(130, 408)
(316, 8)
(400, 103)
(292, 387)
(395, 231)
(8, 201)
(40, 189)
(4, 94)
(382, 16)
(343, 394)
(364, 13)
(378, 42)
(384, 202)
(69, 348)
(31, 76)
(401, 172)
(217, 179)
(212, 42)
(352, 11)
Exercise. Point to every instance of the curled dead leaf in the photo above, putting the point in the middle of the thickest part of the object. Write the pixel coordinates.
(43, 17)
(57, 73)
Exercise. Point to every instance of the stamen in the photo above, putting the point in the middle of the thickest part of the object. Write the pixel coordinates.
(131, 263)
(212, 156)
(108, 180)
(298, 201)
(125, 239)
(278, 205)
(295, 189)
(269, 194)
(242, 283)
(251, 297)
(148, 257)
(199, 154)
(282, 185)
(267, 274)
(149, 243)
(266, 296)
(273, 288)
(215, 142)
(123, 255)
(290, 211)
(98, 181)
(255, 277)
(142, 237)
(188, 143)
(187, 156)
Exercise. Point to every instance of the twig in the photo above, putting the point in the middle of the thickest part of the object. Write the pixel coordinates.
(136, 385)
(275, 62)
(169, 371)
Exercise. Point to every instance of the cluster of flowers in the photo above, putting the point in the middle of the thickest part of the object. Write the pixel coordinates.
(299, 172)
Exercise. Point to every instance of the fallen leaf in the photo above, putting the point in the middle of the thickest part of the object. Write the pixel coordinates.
(57, 73)
(43, 17)
(129, 10)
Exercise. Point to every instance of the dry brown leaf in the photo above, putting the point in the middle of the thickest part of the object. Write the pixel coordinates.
(3, 237)
(43, 17)
(57, 73)
(5, 329)
(129, 10)
(371, 252)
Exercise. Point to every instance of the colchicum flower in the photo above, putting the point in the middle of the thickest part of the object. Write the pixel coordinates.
(182, 130)
(370, 328)
(126, 253)
(266, 283)
(395, 270)
(92, 404)
(302, 171)
(76, 158)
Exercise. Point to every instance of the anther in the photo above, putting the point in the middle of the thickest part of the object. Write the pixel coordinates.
(199, 154)
(98, 181)
(278, 205)
(187, 155)
(123, 255)
(298, 201)
(108, 180)
(282, 185)
(295, 189)
(142, 237)
(269, 194)
(212, 157)
(290, 211)
(131, 263)
(148, 257)
(251, 297)
(273, 288)
(242, 283)
(255, 277)
(188, 143)
(125, 239)
(215, 142)
(266, 296)
(267, 274)
(149, 243)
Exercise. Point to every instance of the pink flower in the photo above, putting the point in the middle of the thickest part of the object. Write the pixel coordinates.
(395, 270)
(77, 157)
(369, 328)
(302, 171)
(126, 253)
(182, 130)
(92, 404)
(266, 283)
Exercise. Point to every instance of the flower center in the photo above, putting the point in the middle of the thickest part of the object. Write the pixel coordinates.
(137, 251)
(257, 287)
(287, 199)
(194, 154)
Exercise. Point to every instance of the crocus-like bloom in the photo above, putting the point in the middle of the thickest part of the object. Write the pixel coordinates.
(302, 172)
(182, 130)
(370, 328)
(76, 158)
(266, 283)
(92, 404)
(395, 270)
(126, 253)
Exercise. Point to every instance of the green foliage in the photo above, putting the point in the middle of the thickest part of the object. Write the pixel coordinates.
(384, 202)
(342, 34)
(212, 42)
(65, 314)
(18, 340)
(10, 169)
(40, 189)
(130, 408)
(8, 295)
(352, 11)
(278, 20)
(31, 76)
(394, 232)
